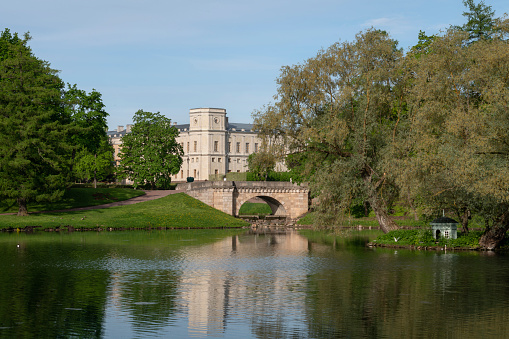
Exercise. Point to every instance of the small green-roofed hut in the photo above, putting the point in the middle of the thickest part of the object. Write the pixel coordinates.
(444, 227)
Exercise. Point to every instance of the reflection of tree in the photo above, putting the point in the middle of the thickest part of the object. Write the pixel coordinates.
(406, 294)
(44, 300)
(149, 298)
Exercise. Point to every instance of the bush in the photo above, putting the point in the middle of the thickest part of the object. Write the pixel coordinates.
(424, 237)
(236, 176)
(272, 176)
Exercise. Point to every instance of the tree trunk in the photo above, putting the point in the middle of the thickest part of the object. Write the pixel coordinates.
(377, 204)
(384, 220)
(22, 210)
(95, 171)
(494, 235)
(464, 220)
(414, 211)
(366, 208)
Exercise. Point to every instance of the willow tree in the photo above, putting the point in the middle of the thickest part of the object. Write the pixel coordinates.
(458, 145)
(337, 113)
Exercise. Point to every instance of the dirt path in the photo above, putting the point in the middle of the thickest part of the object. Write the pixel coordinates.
(149, 195)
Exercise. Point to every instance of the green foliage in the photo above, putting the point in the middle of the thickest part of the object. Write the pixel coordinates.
(358, 211)
(260, 164)
(308, 219)
(96, 166)
(34, 129)
(150, 154)
(271, 176)
(237, 176)
(87, 112)
(424, 237)
(423, 45)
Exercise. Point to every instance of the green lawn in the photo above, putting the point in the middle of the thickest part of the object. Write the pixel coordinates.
(251, 208)
(75, 197)
(174, 211)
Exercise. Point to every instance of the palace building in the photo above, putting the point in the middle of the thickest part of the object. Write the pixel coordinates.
(212, 145)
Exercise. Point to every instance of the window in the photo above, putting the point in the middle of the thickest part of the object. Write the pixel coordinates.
(256, 147)
(247, 147)
(229, 159)
(188, 147)
(446, 234)
(218, 159)
(192, 159)
(196, 146)
(181, 174)
(213, 159)
(216, 172)
(196, 159)
(238, 161)
(229, 147)
(195, 173)
(238, 147)
(216, 146)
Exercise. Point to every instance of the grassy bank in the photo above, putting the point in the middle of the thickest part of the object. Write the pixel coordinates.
(254, 208)
(75, 197)
(423, 238)
(174, 211)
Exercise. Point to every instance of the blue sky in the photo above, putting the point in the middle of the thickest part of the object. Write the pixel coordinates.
(170, 56)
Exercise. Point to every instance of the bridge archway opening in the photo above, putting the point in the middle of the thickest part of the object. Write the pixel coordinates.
(276, 207)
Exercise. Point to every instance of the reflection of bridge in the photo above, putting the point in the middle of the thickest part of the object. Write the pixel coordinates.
(284, 198)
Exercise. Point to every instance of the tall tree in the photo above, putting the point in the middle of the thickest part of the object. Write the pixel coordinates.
(481, 22)
(457, 148)
(150, 154)
(341, 109)
(98, 166)
(90, 141)
(34, 129)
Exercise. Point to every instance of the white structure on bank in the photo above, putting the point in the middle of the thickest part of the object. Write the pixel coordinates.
(211, 144)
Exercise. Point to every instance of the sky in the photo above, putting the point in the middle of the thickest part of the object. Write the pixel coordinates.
(171, 56)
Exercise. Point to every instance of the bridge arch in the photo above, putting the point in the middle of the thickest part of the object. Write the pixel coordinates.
(277, 207)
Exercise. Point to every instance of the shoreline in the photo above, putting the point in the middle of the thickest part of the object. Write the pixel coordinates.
(436, 248)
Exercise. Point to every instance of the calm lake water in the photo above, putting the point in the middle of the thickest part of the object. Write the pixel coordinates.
(224, 284)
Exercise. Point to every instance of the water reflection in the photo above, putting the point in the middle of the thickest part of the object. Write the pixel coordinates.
(212, 284)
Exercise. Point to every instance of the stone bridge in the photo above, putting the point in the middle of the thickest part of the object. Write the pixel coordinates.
(284, 198)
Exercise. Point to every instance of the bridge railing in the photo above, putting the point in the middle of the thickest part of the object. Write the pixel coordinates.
(199, 185)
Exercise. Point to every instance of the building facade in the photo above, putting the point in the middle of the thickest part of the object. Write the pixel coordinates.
(212, 145)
